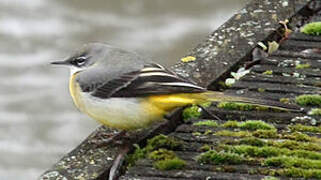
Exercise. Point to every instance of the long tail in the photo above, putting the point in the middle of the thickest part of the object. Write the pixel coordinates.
(215, 96)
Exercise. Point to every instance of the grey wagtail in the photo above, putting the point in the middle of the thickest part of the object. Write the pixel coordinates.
(122, 90)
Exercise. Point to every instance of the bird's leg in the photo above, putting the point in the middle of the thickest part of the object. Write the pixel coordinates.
(115, 168)
(209, 113)
(102, 141)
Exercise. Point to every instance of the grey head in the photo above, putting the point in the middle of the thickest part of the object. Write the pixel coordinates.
(97, 63)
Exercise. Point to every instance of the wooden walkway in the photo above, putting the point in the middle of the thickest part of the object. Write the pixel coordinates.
(285, 81)
(235, 145)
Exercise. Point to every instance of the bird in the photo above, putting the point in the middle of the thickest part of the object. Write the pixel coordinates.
(124, 91)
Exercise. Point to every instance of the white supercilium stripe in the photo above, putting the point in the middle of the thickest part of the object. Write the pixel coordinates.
(180, 84)
(156, 74)
(151, 69)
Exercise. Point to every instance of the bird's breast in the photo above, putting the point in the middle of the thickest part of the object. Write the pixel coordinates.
(75, 92)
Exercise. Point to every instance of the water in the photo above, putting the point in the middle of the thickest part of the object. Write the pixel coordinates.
(38, 122)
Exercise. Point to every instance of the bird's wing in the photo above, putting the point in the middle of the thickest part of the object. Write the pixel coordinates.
(153, 79)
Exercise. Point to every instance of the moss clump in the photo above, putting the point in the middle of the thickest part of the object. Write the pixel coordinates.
(302, 66)
(303, 128)
(205, 147)
(298, 136)
(309, 100)
(192, 112)
(261, 90)
(315, 112)
(230, 124)
(233, 133)
(285, 100)
(268, 72)
(313, 28)
(299, 172)
(170, 164)
(252, 141)
(249, 125)
(256, 125)
(270, 151)
(270, 178)
(290, 144)
(289, 162)
(268, 134)
(253, 151)
(139, 153)
(162, 141)
(213, 157)
(241, 106)
(209, 123)
(161, 154)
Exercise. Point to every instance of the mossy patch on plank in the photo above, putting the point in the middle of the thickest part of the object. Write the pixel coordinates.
(304, 128)
(251, 125)
(241, 106)
(309, 100)
(209, 123)
(191, 112)
(214, 157)
(315, 112)
(313, 28)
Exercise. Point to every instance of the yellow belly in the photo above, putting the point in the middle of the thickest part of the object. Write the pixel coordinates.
(127, 113)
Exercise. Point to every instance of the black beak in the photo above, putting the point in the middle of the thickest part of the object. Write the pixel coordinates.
(60, 63)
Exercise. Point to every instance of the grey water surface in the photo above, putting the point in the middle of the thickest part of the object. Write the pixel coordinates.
(38, 122)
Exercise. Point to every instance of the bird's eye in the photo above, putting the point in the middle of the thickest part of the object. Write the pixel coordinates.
(80, 60)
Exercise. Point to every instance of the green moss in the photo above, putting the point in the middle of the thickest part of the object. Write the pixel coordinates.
(249, 125)
(252, 141)
(253, 151)
(285, 100)
(268, 72)
(290, 144)
(206, 104)
(270, 178)
(170, 164)
(256, 125)
(315, 112)
(313, 28)
(213, 157)
(303, 128)
(302, 66)
(270, 151)
(233, 133)
(139, 153)
(208, 132)
(261, 90)
(197, 134)
(230, 124)
(191, 112)
(209, 123)
(298, 136)
(162, 141)
(299, 172)
(309, 100)
(268, 134)
(241, 106)
(161, 154)
(290, 162)
(236, 106)
(205, 147)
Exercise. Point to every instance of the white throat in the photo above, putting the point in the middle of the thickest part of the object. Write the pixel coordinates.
(74, 70)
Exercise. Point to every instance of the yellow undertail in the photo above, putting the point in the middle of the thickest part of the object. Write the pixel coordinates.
(172, 101)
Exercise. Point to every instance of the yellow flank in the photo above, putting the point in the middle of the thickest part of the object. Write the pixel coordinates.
(169, 102)
(74, 90)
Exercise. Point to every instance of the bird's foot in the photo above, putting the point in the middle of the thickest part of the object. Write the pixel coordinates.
(104, 139)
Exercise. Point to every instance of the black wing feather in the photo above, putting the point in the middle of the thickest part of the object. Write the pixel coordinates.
(153, 79)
